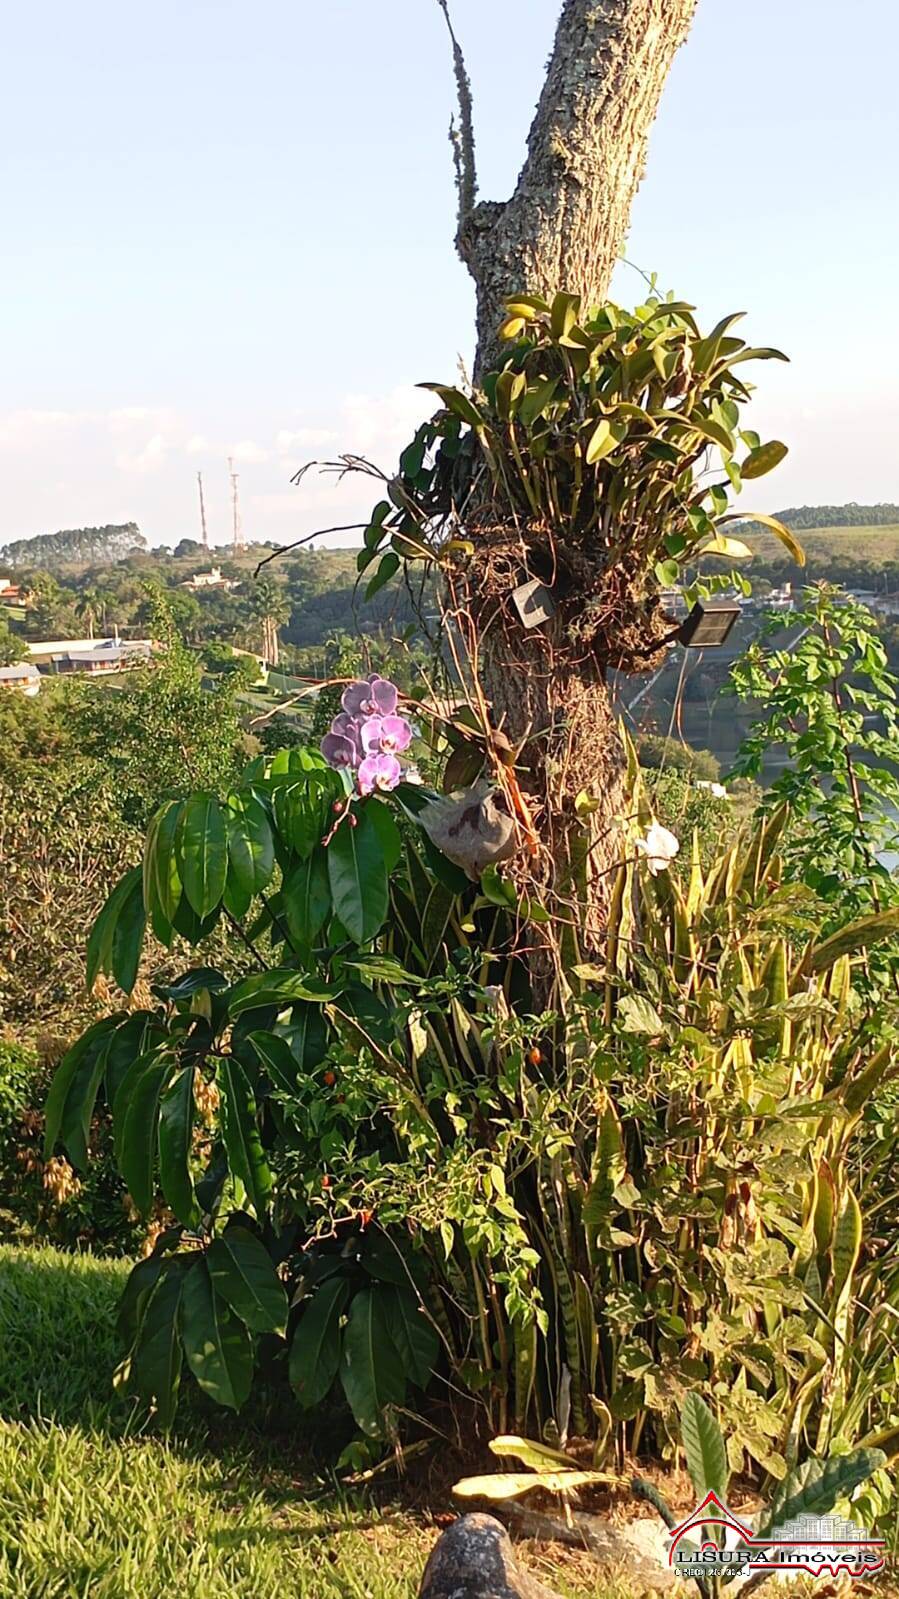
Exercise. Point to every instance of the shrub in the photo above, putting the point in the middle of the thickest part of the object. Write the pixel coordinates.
(657, 752)
(373, 1148)
(46, 1197)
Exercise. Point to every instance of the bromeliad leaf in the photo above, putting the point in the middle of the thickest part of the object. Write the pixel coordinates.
(316, 1348)
(243, 1274)
(218, 1346)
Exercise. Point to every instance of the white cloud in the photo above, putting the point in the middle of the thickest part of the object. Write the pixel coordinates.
(303, 438)
(249, 452)
(147, 459)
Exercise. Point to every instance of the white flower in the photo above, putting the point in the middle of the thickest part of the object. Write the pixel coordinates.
(660, 847)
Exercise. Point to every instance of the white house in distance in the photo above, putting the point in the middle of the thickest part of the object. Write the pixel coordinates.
(208, 580)
(22, 676)
(62, 656)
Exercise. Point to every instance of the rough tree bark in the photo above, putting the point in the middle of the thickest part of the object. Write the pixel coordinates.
(563, 228)
(565, 224)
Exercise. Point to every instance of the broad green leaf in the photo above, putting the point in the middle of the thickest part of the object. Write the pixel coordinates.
(282, 986)
(712, 430)
(734, 549)
(388, 566)
(780, 531)
(176, 1125)
(73, 1092)
(241, 1134)
(387, 831)
(412, 1333)
(372, 1370)
(358, 877)
(156, 1365)
(162, 879)
(536, 400)
(307, 1035)
(852, 938)
(764, 459)
(316, 1348)
(202, 852)
(814, 1488)
(141, 1281)
(251, 850)
(457, 402)
(606, 436)
(218, 1346)
(512, 1484)
(117, 936)
(244, 1275)
(636, 1014)
(132, 1038)
(703, 1447)
(539, 1457)
(137, 1157)
(278, 1059)
(306, 897)
(302, 806)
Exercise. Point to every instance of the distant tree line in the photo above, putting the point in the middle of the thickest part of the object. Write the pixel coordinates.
(851, 515)
(75, 544)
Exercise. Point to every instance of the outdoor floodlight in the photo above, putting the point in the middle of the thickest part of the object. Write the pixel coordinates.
(708, 624)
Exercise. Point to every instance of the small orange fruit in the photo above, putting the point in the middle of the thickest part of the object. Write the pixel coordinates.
(330, 1079)
(534, 1056)
(326, 1181)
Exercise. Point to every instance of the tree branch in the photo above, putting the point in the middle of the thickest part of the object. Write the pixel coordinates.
(462, 136)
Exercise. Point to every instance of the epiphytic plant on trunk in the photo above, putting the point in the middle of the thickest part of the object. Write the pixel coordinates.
(591, 472)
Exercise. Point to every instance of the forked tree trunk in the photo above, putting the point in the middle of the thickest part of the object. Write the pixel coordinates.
(564, 228)
(565, 225)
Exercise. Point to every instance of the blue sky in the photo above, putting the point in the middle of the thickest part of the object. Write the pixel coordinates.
(229, 228)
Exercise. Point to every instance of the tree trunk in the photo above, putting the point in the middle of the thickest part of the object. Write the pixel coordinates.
(564, 228)
(565, 225)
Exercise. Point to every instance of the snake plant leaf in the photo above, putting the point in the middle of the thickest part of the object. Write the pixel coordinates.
(814, 1487)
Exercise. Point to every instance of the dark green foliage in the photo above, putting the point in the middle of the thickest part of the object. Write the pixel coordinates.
(82, 544)
(851, 515)
(673, 755)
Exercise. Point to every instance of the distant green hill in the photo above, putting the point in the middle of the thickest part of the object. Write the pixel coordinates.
(828, 517)
(859, 557)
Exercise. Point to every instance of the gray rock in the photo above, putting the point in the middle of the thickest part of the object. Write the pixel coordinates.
(474, 1559)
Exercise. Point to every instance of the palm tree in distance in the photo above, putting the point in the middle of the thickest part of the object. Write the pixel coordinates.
(271, 609)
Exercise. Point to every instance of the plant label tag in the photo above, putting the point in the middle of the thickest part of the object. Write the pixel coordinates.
(534, 603)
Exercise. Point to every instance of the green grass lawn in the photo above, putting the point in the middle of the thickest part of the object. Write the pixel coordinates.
(94, 1505)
